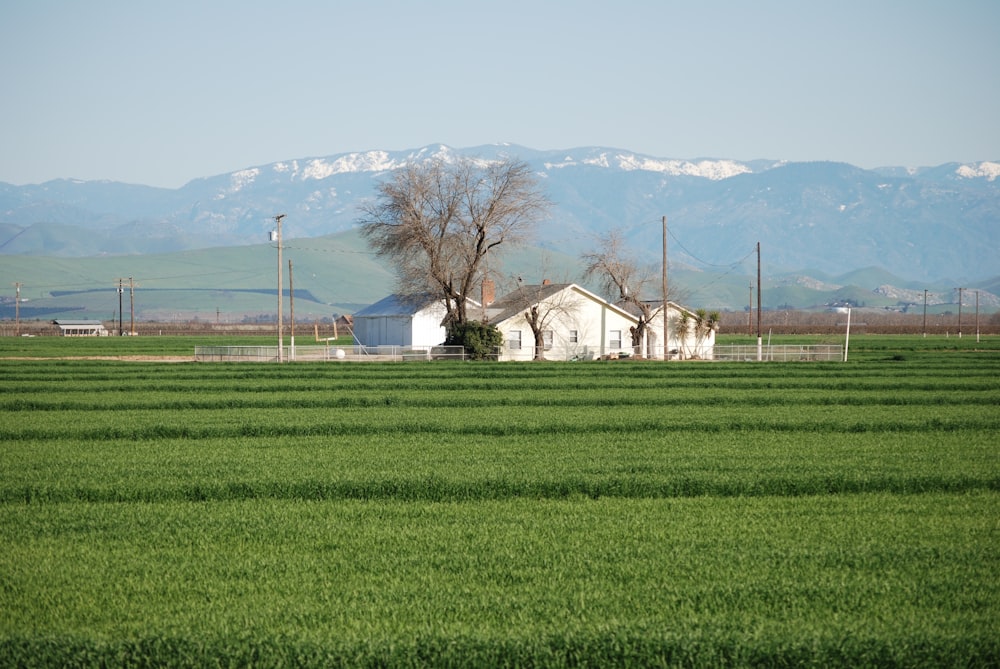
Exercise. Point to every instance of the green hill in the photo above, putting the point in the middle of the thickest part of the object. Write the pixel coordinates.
(331, 274)
(338, 274)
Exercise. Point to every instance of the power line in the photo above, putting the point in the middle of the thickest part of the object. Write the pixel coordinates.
(705, 262)
(311, 248)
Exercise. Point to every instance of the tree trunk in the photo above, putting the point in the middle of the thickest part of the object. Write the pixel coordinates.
(534, 322)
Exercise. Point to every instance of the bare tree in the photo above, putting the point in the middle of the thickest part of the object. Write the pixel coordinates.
(542, 305)
(623, 280)
(438, 221)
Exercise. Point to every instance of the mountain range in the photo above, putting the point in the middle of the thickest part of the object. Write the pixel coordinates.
(932, 227)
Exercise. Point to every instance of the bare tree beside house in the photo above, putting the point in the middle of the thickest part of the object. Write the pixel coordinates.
(623, 280)
(438, 221)
(543, 304)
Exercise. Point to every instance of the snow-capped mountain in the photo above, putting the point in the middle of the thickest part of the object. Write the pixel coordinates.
(922, 223)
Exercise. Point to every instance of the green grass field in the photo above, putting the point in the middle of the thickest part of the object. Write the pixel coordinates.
(501, 514)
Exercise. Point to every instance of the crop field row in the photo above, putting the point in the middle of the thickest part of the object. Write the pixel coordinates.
(460, 467)
(819, 580)
(536, 514)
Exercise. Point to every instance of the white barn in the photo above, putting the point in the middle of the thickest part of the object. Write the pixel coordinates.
(399, 321)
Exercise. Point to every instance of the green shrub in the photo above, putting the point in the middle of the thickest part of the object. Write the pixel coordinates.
(481, 340)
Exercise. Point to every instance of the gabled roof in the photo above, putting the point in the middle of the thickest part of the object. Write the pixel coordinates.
(657, 304)
(515, 302)
(62, 322)
(398, 305)
(403, 305)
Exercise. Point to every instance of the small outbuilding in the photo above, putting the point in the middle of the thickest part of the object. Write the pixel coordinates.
(401, 321)
(81, 328)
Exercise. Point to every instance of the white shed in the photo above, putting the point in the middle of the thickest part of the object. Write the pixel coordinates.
(81, 328)
(401, 321)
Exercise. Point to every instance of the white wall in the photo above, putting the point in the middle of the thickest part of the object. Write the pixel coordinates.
(422, 329)
(573, 310)
(382, 330)
(685, 344)
(426, 327)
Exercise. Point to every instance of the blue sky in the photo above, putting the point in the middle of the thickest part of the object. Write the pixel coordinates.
(159, 93)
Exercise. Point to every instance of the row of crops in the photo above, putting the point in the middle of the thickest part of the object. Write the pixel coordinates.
(460, 514)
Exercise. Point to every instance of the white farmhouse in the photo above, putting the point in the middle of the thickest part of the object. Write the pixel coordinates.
(576, 324)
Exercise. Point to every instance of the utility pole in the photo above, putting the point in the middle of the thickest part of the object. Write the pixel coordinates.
(17, 308)
(666, 335)
(120, 291)
(925, 312)
(977, 316)
(847, 336)
(291, 307)
(760, 347)
(959, 313)
(131, 306)
(276, 236)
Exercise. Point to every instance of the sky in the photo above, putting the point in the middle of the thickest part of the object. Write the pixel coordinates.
(160, 93)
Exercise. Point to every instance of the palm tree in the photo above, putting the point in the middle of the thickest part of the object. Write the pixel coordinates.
(699, 323)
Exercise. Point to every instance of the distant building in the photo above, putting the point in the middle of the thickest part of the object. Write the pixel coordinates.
(81, 328)
(345, 323)
(400, 321)
(579, 325)
(576, 325)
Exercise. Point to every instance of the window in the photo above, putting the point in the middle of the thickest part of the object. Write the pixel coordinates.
(547, 339)
(615, 339)
(514, 340)
(573, 337)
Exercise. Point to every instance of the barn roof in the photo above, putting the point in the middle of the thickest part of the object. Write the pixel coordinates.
(403, 305)
(397, 305)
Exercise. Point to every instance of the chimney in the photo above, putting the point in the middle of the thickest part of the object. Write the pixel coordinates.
(489, 292)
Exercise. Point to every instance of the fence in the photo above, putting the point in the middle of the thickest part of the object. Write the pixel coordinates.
(780, 353)
(327, 353)
(738, 353)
